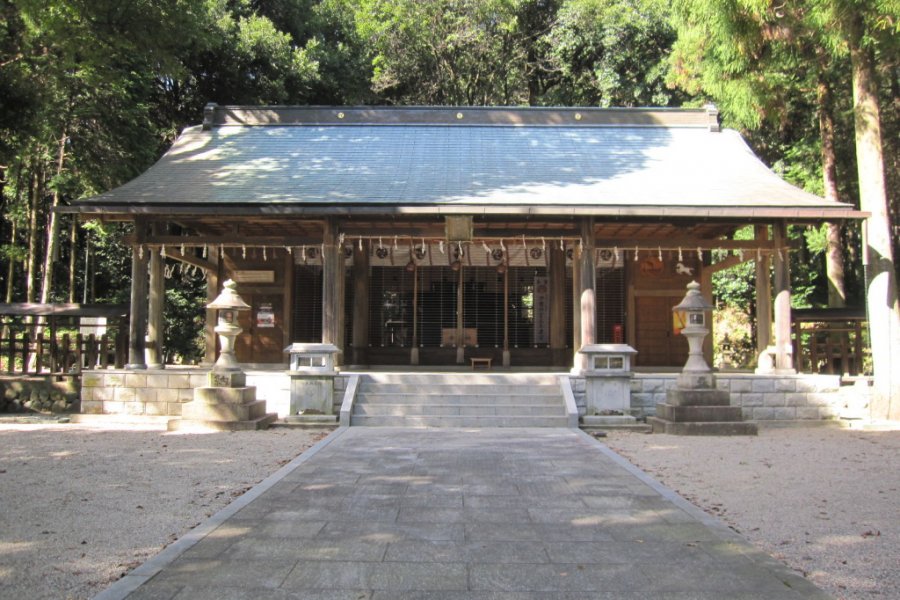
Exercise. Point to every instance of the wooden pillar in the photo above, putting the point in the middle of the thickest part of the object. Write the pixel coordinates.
(360, 325)
(213, 276)
(414, 345)
(333, 290)
(157, 302)
(507, 357)
(137, 327)
(576, 310)
(587, 293)
(763, 294)
(557, 261)
(289, 296)
(783, 353)
(706, 290)
(460, 316)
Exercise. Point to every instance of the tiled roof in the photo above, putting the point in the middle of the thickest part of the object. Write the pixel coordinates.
(683, 168)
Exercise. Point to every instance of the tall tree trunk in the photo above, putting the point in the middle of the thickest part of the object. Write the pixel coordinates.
(834, 257)
(52, 247)
(34, 190)
(11, 266)
(73, 256)
(881, 296)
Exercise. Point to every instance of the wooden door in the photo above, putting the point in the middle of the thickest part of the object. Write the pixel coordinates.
(657, 343)
(262, 339)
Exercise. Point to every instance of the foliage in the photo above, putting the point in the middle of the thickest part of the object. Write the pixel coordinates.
(93, 91)
(609, 53)
(735, 343)
(185, 317)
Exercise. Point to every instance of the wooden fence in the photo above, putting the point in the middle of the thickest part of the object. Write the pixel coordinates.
(62, 354)
(833, 346)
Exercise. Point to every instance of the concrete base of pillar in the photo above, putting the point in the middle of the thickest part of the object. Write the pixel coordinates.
(460, 355)
(414, 356)
(506, 358)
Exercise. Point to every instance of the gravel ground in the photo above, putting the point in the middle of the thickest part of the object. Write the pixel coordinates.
(81, 505)
(825, 501)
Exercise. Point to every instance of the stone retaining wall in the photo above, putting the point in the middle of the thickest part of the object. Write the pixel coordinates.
(163, 392)
(153, 393)
(761, 397)
(39, 394)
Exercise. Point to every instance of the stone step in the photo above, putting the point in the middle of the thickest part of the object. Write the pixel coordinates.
(458, 389)
(474, 378)
(224, 411)
(678, 397)
(183, 424)
(500, 399)
(466, 410)
(459, 421)
(697, 428)
(698, 413)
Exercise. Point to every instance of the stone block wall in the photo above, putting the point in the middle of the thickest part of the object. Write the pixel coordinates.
(163, 392)
(761, 397)
(151, 393)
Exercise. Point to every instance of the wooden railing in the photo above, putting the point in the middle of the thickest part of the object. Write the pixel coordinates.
(838, 346)
(61, 355)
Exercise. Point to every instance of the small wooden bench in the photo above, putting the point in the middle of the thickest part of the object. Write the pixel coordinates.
(481, 362)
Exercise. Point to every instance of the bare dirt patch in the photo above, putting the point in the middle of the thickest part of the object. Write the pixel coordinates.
(825, 501)
(81, 505)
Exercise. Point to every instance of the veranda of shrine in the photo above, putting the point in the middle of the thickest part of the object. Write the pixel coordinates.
(424, 237)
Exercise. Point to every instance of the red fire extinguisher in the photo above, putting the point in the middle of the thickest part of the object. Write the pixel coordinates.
(618, 334)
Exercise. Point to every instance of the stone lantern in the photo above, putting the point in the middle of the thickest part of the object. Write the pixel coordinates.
(228, 303)
(226, 403)
(696, 372)
(695, 406)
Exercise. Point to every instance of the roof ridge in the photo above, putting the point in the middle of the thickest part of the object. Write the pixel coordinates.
(215, 115)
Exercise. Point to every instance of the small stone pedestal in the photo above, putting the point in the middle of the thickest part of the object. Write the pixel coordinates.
(607, 379)
(226, 403)
(312, 376)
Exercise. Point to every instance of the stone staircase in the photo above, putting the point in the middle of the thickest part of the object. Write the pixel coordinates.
(458, 400)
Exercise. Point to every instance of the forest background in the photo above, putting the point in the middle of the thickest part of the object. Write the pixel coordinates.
(92, 92)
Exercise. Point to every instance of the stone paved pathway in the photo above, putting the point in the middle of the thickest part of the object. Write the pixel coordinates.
(499, 514)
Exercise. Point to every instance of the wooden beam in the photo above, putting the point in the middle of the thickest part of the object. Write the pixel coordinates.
(727, 263)
(228, 241)
(190, 259)
(686, 244)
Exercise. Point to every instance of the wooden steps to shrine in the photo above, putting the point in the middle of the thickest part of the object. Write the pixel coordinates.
(459, 400)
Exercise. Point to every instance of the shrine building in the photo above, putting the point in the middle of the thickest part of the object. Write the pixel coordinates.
(429, 236)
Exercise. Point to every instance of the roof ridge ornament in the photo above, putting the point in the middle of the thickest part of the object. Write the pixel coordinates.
(209, 115)
(712, 112)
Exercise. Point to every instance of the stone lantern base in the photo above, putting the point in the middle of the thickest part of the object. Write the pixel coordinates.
(696, 407)
(220, 408)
